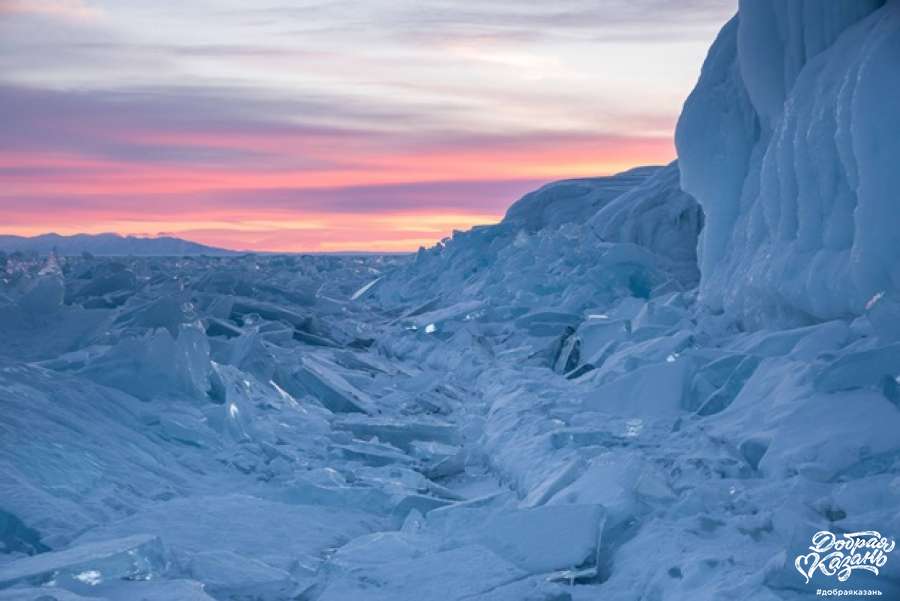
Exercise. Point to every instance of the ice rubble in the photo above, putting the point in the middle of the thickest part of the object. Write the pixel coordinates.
(545, 409)
(571, 201)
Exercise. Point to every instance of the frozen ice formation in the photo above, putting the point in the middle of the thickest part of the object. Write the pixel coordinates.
(641, 237)
(565, 406)
(789, 143)
(570, 201)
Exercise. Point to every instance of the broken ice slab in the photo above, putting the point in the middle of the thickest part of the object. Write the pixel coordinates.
(625, 309)
(574, 576)
(580, 371)
(443, 492)
(136, 557)
(439, 460)
(653, 391)
(368, 362)
(300, 292)
(533, 588)
(824, 339)
(76, 359)
(379, 548)
(249, 285)
(219, 306)
(654, 314)
(156, 364)
(398, 432)
(108, 278)
(457, 311)
(52, 593)
(652, 487)
(547, 323)
(769, 343)
(181, 425)
(359, 293)
(117, 590)
(610, 481)
(337, 394)
(43, 295)
(562, 351)
(156, 590)
(419, 502)
(664, 348)
(277, 333)
(228, 575)
(710, 377)
(452, 575)
(554, 483)
(303, 491)
(373, 453)
(388, 490)
(538, 540)
(250, 354)
(220, 327)
(432, 402)
(568, 355)
(579, 437)
(429, 305)
(860, 368)
(313, 339)
(269, 311)
(269, 531)
(432, 451)
(246, 406)
(596, 335)
(722, 397)
(167, 312)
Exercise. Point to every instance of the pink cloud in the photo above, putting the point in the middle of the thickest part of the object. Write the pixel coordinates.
(143, 163)
(67, 9)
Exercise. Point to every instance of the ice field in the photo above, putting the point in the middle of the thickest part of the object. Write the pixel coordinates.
(653, 386)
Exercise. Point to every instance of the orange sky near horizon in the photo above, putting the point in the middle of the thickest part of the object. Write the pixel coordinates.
(263, 127)
(152, 199)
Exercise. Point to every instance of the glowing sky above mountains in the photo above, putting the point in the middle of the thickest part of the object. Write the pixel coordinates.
(327, 125)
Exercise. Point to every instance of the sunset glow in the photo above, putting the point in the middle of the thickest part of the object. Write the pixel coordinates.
(119, 117)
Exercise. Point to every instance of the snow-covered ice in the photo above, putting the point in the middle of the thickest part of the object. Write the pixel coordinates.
(789, 143)
(567, 405)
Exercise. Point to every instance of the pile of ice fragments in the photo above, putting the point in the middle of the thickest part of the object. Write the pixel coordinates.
(540, 410)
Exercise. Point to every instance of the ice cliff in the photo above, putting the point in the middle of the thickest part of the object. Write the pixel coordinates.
(789, 142)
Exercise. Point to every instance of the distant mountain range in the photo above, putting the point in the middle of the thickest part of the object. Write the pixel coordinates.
(108, 245)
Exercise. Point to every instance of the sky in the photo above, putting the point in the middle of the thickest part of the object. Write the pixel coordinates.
(328, 125)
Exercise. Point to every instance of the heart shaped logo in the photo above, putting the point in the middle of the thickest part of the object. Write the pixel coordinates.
(806, 564)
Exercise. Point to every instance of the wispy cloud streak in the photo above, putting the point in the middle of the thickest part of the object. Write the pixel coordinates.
(241, 124)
